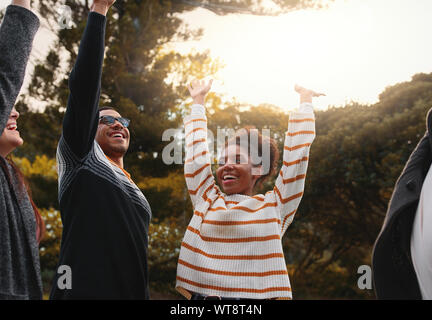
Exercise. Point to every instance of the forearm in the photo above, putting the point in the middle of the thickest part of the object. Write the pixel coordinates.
(306, 107)
(291, 179)
(196, 139)
(84, 84)
(198, 174)
(88, 65)
(17, 32)
(305, 99)
(298, 140)
(198, 100)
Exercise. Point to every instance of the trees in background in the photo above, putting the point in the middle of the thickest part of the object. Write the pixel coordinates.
(355, 160)
(358, 154)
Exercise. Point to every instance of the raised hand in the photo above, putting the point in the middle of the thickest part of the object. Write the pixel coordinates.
(198, 90)
(102, 6)
(22, 3)
(306, 95)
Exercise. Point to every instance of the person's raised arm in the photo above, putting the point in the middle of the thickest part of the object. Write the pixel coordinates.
(299, 137)
(22, 3)
(17, 32)
(81, 117)
(199, 178)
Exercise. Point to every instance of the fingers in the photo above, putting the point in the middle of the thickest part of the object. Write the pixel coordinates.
(198, 90)
(195, 84)
(199, 85)
(209, 84)
(307, 92)
(298, 88)
(318, 94)
(102, 6)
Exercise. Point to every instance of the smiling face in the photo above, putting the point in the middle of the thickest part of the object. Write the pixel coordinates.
(113, 139)
(234, 173)
(10, 138)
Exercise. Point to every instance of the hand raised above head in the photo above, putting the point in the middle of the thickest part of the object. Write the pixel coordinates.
(306, 95)
(102, 6)
(198, 90)
(22, 3)
(301, 90)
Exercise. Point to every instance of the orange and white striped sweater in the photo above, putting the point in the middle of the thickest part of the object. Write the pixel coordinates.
(232, 246)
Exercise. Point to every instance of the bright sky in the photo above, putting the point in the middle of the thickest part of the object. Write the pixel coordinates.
(351, 51)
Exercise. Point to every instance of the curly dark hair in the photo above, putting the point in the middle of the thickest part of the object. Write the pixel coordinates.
(252, 133)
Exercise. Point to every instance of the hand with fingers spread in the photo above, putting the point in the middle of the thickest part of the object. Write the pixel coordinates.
(306, 95)
(198, 90)
(102, 6)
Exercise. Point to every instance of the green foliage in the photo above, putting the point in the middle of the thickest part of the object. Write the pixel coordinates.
(355, 160)
(357, 156)
(50, 244)
(168, 196)
(164, 248)
(42, 178)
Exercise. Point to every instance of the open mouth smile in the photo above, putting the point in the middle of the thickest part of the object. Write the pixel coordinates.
(12, 127)
(228, 178)
(117, 135)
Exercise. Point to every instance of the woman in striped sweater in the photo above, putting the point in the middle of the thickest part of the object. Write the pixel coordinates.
(232, 247)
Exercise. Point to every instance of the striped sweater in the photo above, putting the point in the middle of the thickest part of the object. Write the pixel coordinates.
(232, 246)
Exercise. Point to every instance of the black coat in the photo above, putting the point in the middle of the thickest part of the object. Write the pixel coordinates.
(393, 271)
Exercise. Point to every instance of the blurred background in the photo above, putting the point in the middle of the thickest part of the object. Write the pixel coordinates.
(371, 57)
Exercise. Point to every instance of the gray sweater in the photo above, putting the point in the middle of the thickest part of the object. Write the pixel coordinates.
(20, 276)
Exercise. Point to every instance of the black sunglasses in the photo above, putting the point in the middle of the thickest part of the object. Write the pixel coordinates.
(109, 120)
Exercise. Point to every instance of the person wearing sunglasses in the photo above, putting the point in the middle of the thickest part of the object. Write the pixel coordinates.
(21, 225)
(105, 216)
(113, 135)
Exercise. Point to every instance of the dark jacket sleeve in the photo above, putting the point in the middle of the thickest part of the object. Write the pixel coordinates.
(81, 117)
(409, 184)
(17, 32)
(393, 272)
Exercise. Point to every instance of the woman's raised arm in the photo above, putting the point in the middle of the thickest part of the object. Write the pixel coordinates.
(197, 170)
(290, 182)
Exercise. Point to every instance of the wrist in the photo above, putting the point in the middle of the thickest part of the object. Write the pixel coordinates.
(306, 98)
(100, 8)
(22, 3)
(306, 107)
(198, 109)
(198, 100)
